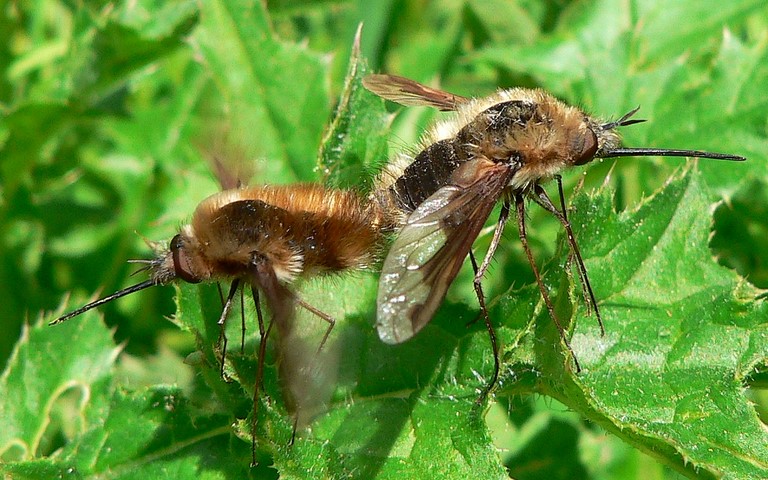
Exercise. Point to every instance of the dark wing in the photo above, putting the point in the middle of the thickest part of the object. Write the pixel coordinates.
(227, 176)
(230, 159)
(411, 93)
(306, 368)
(430, 249)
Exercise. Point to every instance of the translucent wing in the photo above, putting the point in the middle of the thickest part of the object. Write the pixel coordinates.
(411, 93)
(430, 249)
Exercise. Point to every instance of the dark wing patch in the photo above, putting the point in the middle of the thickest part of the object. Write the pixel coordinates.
(411, 93)
(430, 249)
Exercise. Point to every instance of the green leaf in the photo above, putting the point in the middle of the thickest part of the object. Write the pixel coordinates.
(355, 144)
(24, 129)
(152, 434)
(123, 51)
(100, 143)
(51, 369)
(148, 434)
(405, 437)
(682, 336)
(100, 60)
(60, 378)
(276, 93)
(743, 225)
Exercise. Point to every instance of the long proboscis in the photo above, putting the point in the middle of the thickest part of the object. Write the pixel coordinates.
(108, 298)
(666, 152)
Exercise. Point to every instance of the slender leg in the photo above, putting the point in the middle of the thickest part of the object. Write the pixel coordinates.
(322, 315)
(221, 294)
(259, 383)
(262, 338)
(242, 322)
(479, 274)
(263, 280)
(543, 199)
(223, 322)
(293, 433)
(473, 260)
(520, 204)
(583, 277)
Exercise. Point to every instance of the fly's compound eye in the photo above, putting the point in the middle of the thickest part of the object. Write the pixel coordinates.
(588, 148)
(182, 263)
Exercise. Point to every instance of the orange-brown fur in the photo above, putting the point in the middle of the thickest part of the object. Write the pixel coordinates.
(299, 229)
(548, 146)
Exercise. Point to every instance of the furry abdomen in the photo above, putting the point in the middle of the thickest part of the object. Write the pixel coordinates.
(299, 229)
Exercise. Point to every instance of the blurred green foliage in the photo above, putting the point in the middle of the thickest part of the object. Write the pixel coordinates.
(111, 110)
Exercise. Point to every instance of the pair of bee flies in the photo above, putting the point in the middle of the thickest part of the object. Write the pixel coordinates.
(498, 148)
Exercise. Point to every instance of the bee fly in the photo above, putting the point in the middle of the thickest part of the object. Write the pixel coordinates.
(502, 147)
(266, 237)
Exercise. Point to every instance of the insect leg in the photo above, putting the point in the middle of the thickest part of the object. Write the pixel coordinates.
(242, 322)
(221, 294)
(263, 279)
(263, 334)
(322, 315)
(520, 204)
(543, 199)
(479, 273)
(222, 342)
(583, 277)
(259, 383)
(473, 260)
